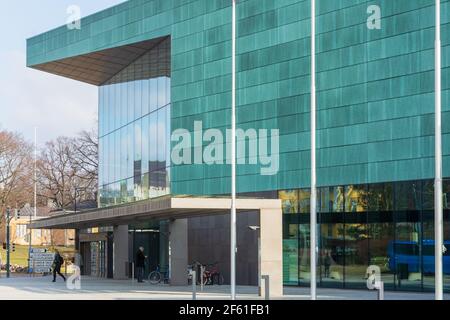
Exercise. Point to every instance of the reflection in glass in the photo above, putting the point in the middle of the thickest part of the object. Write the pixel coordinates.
(355, 254)
(407, 195)
(290, 255)
(338, 198)
(331, 256)
(290, 201)
(304, 198)
(380, 197)
(304, 254)
(355, 198)
(134, 130)
(380, 236)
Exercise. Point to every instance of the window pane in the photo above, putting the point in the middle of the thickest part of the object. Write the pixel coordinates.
(145, 144)
(331, 257)
(407, 195)
(107, 110)
(137, 99)
(123, 153)
(145, 97)
(153, 95)
(355, 198)
(124, 104)
(337, 198)
(290, 255)
(304, 197)
(161, 92)
(381, 234)
(356, 255)
(161, 139)
(380, 197)
(153, 139)
(290, 201)
(100, 111)
(130, 151)
(131, 101)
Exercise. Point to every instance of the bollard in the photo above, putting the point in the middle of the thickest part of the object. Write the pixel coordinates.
(266, 279)
(194, 284)
(202, 272)
(132, 272)
(381, 290)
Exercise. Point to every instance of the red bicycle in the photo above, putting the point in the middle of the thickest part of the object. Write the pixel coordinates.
(212, 274)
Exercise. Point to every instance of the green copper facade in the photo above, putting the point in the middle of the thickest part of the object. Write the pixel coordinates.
(375, 87)
(375, 100)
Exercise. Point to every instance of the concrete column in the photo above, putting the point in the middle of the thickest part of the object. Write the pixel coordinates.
(178, 252)
(272, 250)
(120, 252)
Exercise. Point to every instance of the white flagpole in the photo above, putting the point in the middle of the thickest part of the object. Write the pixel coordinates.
(438, 221)
(35, 172)
(233, 156)
(313, 226)
(30, 240)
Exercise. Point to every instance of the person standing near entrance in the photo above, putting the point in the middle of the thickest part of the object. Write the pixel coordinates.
(57, 263)
(140, 264)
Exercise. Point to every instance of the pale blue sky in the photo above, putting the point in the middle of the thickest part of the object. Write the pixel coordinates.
(29, 98)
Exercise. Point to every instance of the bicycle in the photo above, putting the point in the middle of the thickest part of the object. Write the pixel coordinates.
(210, 275)
(202, 278)
(214, 275)
(157, 276)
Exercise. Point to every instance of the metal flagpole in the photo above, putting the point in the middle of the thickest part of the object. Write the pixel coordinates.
(35, 172)
(438, 223)
(233, 156)
(30, 240)
(313, 226)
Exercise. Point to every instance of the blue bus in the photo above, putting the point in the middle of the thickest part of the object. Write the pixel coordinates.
(408, 253)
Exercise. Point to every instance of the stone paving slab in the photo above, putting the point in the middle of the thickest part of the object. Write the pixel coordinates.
(38, 288)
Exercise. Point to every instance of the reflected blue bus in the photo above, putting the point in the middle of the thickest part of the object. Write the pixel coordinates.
(408, 253)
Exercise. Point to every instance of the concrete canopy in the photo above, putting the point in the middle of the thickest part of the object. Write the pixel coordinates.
(98, 67)
(159, 208)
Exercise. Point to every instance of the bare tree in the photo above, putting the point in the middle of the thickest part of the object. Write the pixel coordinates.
(67, 169)
(15, 170)
(85, 160)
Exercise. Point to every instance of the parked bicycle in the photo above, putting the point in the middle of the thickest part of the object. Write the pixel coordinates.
(214, 275)
(210, 275)
(157, 276)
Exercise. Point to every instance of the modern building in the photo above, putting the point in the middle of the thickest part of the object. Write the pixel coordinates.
(162, 66)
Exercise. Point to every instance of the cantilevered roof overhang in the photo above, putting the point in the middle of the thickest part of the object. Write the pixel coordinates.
(98, 67)
(162, 208)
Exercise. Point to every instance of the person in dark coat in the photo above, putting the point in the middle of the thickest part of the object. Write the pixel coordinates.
(140, 264)
(57, 263)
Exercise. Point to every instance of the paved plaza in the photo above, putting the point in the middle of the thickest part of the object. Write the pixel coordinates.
(38, 288)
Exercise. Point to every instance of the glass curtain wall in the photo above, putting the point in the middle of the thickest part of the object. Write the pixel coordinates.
(134, 130)
(389, 225)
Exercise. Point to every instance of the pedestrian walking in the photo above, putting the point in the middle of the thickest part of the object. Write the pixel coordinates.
(57, 263)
